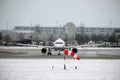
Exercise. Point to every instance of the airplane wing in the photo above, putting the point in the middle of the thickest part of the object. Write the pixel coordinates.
(59, 45)
(48, 49)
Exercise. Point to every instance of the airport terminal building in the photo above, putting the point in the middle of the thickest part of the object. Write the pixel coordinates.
(67, 31)
(62, 29)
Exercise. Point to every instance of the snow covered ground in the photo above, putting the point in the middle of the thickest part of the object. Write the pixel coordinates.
(41, 69)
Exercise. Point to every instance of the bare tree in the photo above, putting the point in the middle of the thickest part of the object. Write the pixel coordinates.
(77, 38)
(101, 37)
(86, 38)
(94, 37)
(0, 36)
(1, 39)
(50, 38)
(7, 39)
(21, 36)
(112, 38)
(82, 38)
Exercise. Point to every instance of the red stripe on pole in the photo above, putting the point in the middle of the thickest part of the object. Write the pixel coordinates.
(78, 58)
(72, 54)
(66, 52)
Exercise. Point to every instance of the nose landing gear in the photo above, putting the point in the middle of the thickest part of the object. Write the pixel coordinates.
(59, 52)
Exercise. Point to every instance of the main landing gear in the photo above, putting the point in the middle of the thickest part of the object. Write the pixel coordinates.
(49, 52)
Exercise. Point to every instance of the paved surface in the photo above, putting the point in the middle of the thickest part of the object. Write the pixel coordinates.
(84, 54)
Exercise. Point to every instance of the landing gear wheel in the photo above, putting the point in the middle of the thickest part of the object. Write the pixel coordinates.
(49, 53)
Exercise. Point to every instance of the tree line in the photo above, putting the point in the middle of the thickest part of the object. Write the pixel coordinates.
(85, 38)
(5, 39)
(80, 38)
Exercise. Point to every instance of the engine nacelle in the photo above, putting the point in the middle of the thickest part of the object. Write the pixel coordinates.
(75, 50)
(43, 50)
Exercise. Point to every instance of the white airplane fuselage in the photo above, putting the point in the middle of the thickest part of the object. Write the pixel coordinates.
(59, 44)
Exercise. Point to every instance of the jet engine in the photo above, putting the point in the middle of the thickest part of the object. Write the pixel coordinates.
(43, 50)
(75, 50)
(48, 50)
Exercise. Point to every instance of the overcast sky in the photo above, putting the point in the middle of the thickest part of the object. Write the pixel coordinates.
(97, 13)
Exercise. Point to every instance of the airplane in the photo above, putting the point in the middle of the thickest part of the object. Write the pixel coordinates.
(58, 45)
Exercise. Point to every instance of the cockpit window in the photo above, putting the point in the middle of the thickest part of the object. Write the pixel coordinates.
(58, 43)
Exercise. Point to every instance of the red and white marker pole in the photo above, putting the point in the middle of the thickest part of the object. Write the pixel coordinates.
(68, 52)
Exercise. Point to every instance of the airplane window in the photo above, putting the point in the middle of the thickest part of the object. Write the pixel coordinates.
(58, 43)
